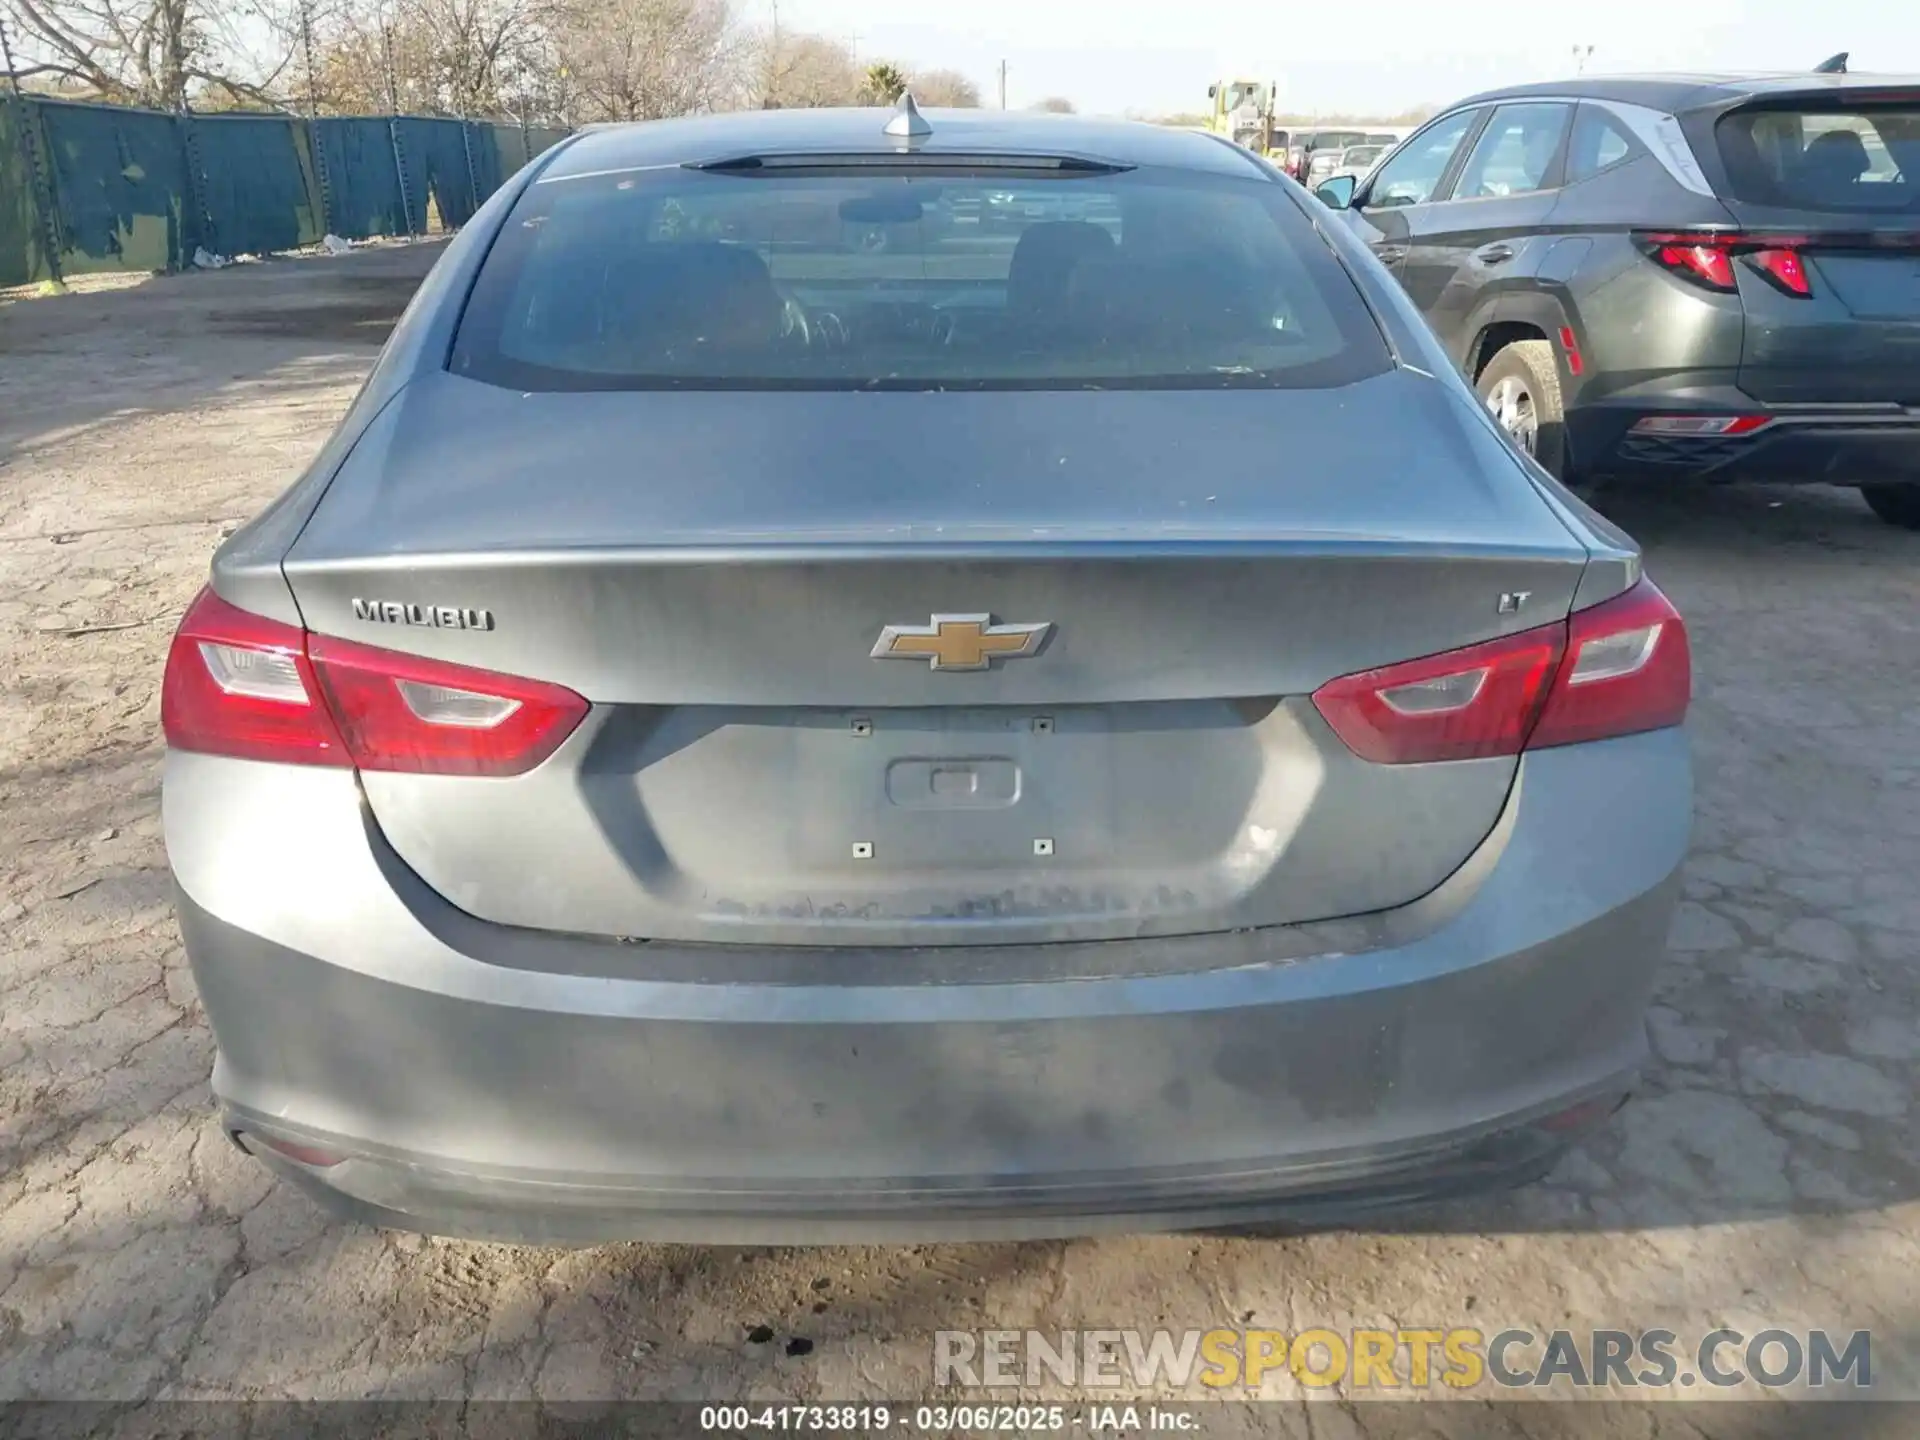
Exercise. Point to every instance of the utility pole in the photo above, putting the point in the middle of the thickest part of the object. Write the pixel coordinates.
(386, 60)
(771, 100)
(1581, 54)
(306, 45)
(1003, 84)
(386, 57)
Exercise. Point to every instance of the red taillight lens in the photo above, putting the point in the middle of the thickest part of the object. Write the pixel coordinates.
(1707, 258)
(1616, 669)
(241, 685)
(1628, 668)
(1708, 265)
(1785, 269)
(1460, 705)
(399, 712)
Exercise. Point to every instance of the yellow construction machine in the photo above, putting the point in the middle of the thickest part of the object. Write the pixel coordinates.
(1243, 112)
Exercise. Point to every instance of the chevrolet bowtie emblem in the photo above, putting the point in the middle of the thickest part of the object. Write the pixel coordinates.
(960, 642)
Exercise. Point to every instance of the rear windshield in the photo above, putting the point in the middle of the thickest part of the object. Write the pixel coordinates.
(690, 279)
(1864, 159)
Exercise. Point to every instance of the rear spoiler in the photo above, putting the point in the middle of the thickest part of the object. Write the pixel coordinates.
(1833, 64)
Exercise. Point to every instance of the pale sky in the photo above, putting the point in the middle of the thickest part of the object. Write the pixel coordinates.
(1159, 56)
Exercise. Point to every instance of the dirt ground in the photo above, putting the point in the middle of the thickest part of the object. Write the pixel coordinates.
(1768, 1174)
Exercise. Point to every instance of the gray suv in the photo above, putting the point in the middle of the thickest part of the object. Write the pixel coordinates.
(1670, 275)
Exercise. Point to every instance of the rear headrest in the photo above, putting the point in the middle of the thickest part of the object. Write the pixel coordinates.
(1044, 261)
(1837, 156)
(673, 297)
(1199, 295)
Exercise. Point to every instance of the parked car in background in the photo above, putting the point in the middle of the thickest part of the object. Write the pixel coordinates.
(1089, 729)
(1321, 165)
(1673, 274)
(1310, 143)
(1357, 160)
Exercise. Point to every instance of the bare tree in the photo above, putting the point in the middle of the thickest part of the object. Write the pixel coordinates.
(1055, 105)
(806, 72)
(473, 48)
(377, 62)
(644, 59)
(145, 52)
(945, 87)
(426, 57)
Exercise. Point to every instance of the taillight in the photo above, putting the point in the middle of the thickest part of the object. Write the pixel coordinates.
(1706, 259)
(1704, 264)
(399, 712)
(241, 685)
(1461, 705)
(1785, 269)
(1616, 669)
(1628, 668)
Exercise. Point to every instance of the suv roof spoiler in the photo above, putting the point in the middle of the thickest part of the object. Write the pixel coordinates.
(1832, 65)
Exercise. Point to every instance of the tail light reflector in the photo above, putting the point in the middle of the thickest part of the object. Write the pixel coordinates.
(1570, 347)
(1708, 425)
(242, 685)
(1616, 669)
(305, 1154)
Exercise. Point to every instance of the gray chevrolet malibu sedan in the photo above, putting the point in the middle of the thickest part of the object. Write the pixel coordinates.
(786, 713)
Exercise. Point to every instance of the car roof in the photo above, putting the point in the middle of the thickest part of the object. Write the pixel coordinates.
(863, 131)
(1679, 92)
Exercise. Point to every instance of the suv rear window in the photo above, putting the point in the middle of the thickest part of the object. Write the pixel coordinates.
(1862, 159)
(850, 279)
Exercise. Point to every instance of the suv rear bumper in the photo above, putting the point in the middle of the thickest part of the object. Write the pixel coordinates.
(1302, 1071)
(1839, 445)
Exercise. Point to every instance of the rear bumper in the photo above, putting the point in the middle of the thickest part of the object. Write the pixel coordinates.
(476, 1086)
(1842, 445)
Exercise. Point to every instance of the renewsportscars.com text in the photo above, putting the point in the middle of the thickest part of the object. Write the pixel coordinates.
(1456, 1357)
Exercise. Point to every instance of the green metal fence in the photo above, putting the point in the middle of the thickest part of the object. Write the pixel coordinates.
(24, 213)
(88, 187)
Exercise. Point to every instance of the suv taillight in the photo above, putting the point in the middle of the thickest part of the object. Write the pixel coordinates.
(1705, 258)
(1616, 669)
(242, 685)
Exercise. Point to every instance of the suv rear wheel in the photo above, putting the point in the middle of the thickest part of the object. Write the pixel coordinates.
(1895, 504)
(1521, 386)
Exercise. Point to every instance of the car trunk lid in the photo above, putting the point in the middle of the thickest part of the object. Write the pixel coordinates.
(715, 575)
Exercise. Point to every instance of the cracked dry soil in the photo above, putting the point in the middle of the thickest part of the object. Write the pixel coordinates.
(1767, 1174)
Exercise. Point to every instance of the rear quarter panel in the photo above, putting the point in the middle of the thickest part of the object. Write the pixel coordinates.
(1639, 327)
